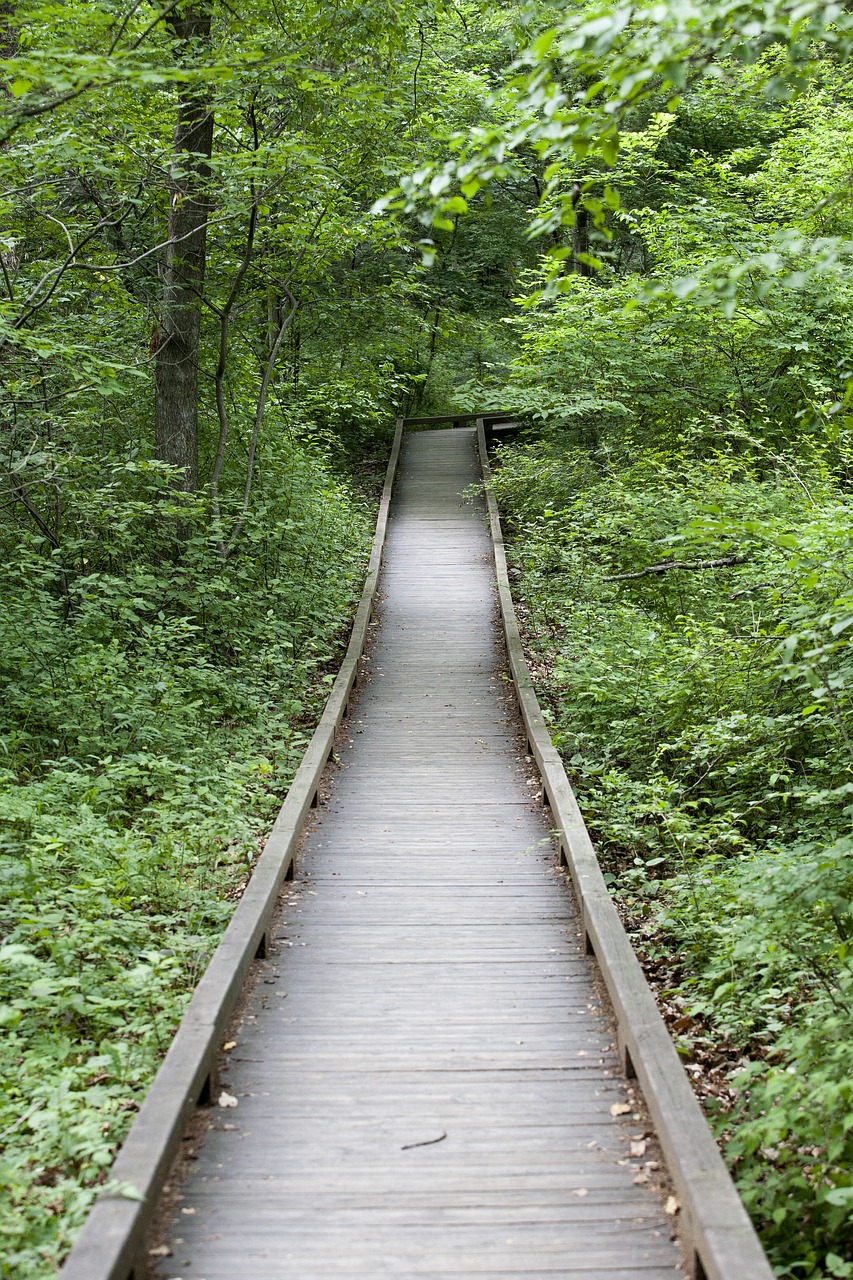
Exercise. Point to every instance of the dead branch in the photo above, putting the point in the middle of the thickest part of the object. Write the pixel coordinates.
(721, 562)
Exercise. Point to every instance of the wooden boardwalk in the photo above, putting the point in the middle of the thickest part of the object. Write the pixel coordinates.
(424, 1077)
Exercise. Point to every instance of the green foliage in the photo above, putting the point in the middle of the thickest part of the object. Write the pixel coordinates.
(155, 711)
(585, 75)
(704, 715)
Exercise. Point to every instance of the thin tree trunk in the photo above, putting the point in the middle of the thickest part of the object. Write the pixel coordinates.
(260, 410)
(580, 234)
(580, 242)
(176, 404)
(219, 376)
(273, 316)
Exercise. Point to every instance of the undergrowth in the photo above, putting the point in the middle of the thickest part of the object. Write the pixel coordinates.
(704, 714)
(156, 703)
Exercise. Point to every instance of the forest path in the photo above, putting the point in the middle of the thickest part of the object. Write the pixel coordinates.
(424, 1075)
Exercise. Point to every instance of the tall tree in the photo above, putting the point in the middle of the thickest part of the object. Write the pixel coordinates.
(177, 340)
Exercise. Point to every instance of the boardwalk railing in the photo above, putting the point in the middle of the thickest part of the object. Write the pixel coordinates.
(457, 419)
(716, 1231)
(111, 1244)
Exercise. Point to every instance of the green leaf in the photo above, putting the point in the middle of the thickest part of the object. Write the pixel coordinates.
(842, 1196)
(610, 147)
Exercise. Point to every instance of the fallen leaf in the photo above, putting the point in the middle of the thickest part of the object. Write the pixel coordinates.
(227, 1099)
(638, 1148)
(620, 1109)
(672, 1206)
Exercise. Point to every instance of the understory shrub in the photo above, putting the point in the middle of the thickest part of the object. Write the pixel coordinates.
(687, 613)
(156, 702)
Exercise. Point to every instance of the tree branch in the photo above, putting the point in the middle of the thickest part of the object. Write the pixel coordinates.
(722, 562)
(70, 264)
(51, 104)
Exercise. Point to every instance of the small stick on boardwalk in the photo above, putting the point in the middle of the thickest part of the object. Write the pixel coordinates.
(428, 1142)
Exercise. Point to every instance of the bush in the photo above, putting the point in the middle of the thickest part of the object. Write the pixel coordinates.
(704, 716)
(157, 703)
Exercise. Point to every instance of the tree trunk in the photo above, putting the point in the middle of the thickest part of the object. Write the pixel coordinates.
(580, 234)
(176, 403)
(580, 242)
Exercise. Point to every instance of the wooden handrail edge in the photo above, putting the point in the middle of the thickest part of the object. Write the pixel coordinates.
(111, 1242)
(718, 1235)
(495, 415)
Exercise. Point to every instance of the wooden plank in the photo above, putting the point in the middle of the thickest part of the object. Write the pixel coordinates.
(431, 979)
